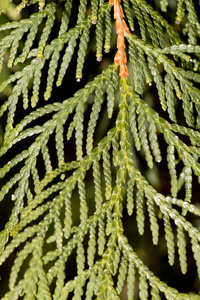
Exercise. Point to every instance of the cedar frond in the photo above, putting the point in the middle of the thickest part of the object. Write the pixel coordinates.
(75, 172)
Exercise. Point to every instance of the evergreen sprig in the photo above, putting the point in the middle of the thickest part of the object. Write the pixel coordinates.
(53, 218)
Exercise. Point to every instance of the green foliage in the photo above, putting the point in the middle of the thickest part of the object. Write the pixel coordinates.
(54, 220)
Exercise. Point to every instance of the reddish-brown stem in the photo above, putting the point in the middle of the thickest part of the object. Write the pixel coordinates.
(122, 30)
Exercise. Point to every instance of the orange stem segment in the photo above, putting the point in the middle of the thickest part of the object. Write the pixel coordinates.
(122, 30)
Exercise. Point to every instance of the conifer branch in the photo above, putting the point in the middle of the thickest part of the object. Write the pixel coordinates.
(76, 172)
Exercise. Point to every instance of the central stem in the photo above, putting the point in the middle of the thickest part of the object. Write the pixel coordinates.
(122, 31)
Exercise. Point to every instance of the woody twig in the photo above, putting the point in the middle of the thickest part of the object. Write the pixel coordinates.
(122, 31)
